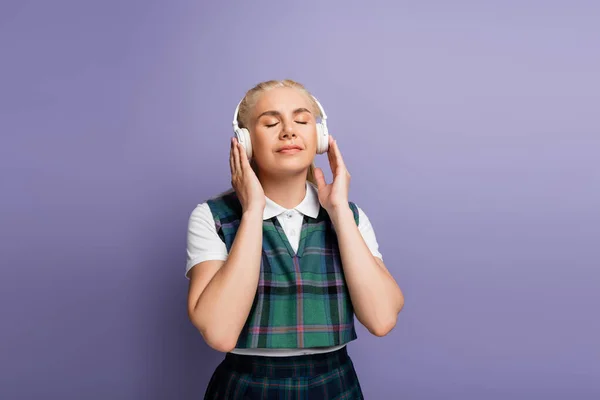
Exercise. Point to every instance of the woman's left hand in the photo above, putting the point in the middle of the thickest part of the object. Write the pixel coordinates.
(334, 195)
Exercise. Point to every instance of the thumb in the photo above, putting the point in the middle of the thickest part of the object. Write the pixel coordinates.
(320, 178)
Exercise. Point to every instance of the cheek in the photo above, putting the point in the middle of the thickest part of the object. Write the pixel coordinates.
(261, 142)
(310, 137)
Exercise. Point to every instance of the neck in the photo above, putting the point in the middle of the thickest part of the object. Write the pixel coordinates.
(287, 191)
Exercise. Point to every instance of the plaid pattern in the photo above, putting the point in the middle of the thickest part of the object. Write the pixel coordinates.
(302, 300)
(322, 376)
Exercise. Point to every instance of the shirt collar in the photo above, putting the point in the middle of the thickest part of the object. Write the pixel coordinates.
(309, 206)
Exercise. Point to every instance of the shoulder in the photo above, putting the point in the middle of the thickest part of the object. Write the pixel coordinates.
(368, 232)
(355, 211)
(201, 219)
(224, 204)
(205, 214)
(360, 215)
(203, 239)
(201, 212)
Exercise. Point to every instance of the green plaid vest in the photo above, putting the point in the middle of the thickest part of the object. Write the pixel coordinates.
(302, 300)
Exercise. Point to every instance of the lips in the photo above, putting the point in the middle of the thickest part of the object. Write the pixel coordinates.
(289, 149)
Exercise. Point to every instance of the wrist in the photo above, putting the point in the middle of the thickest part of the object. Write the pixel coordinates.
(254, 212)
(339, 213)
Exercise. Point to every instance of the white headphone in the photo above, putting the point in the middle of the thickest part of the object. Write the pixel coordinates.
(243, 136)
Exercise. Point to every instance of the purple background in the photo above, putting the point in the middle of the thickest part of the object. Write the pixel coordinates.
(471, 131)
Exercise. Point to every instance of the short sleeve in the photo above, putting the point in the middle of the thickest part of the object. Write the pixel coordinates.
(368, 233)
(203, 241)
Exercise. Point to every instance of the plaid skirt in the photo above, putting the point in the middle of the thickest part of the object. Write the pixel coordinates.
(322, 376)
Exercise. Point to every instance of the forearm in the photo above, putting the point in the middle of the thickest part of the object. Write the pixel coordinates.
(375, 295)
(225, 303)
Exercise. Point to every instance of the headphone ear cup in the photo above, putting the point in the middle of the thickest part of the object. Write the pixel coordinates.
(322, 139)
(243, 137)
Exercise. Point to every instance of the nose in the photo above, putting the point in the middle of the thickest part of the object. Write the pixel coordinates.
(287, 132)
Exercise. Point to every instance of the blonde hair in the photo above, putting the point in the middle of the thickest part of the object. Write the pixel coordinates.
(250, 99)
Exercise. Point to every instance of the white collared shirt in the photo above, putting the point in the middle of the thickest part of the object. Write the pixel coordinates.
(204, 243)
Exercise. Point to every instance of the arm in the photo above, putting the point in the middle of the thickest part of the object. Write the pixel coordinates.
(221, 293)
(375, 295)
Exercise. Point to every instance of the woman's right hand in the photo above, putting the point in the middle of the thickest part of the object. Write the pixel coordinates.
(245, 182)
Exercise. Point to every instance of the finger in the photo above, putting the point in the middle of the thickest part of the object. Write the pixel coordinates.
(244, 157)
(331, 156)
(236, 159)
(320, 178)
(231, 166)
(339, 161)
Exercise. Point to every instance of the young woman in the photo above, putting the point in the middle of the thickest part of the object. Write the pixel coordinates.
(279, 265)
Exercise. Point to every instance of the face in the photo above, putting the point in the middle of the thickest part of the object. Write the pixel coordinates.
(283, 132)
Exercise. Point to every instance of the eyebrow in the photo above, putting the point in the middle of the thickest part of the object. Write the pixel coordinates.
(278, 114)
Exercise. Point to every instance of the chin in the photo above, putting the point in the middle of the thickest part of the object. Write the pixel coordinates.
(290, 168)
(286, 165)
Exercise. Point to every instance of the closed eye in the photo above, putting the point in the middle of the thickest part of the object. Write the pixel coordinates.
(276, 123)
